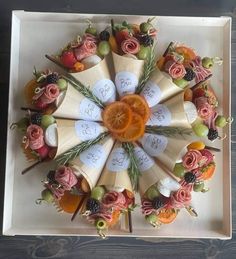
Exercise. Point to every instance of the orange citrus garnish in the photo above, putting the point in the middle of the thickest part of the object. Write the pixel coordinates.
(29, 90)
(134, 131)
(138, 105)
(69, 202)
(160, 63)
(208, 171)
(115, 218)
(113, 44)
(166, 216)
(117, 116)
(198, 145)
(188, 95)
(188, 53)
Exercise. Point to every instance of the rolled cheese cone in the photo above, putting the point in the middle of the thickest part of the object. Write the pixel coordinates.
(71, 133)
(115, 174)
(170, 113)
(127, 73)
(152, 173)
(98, 79)
(75, 106)
(91, 161)
(159, 88)
(166, 150)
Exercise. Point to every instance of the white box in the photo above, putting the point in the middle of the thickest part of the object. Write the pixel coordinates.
(37, 34)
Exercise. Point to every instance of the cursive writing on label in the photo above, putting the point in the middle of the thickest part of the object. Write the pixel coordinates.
(126, 82)
(105, 90)
(118, 160)
(160, 115)
(89, 110)
(144, 161)
(152, 93)
(86, 130)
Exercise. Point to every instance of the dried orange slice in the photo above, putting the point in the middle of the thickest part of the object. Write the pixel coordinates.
(208, 171)
(187, 52)
(29, 90)
(166, 216)
(138, 105)
(117, 116)
(115, 218)
(69, 202)
(188, 95)
(198, 145)
(134, 131)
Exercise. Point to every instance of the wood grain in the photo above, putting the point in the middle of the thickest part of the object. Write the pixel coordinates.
(23, 247)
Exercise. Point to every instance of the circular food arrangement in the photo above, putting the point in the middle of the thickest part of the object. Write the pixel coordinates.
(123, 126)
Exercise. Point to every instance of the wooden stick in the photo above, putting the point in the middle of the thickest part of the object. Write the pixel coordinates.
(31, 167)
(78, 208)
(213, 148)
(130, 222)
(55, 61)
(203, 81)
(29, 109)
(167, 50)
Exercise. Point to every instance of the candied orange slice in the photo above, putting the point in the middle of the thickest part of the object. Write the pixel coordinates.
(29, 90)
(187, 52)
(69, 202)
(115, 218)
(198, 145)
(138, 105)
(134, 131)
(166, 216)
(188, 95)
(117, 116)
(208, 171)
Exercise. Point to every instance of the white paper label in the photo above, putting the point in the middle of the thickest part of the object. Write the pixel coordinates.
(118, 160)
(94, 157)
(86, 130)
(144, 161)
(152, 93)
(154, 144)
(89, 110)
(160, 116)
(105, 90)
(126, 82)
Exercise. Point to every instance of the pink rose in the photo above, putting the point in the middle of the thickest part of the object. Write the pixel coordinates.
(34, 135)
(192, 159)
(204, 109)
(181, 198)
(65, 176)
(87, 48)
(113, 199)
(208, 157)
(49, 94)
(130, 46)
(175, 70)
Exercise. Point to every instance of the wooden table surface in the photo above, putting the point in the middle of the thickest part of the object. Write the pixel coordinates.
(22, 247)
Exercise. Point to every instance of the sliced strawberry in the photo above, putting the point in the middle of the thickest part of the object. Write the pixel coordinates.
(198, 92)
(43, 151)
(121, 36)
(68, 59)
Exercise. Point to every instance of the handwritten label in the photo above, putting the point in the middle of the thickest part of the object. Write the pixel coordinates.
(94, 157)
(154, 144)
(118, 160)
(89, 111)
(105, 90)
(160, 115)
(86, 130)
(152, 93)
(126, 82)
(144, 161)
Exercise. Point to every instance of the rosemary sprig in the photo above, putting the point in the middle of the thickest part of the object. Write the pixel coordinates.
(75, 151)
(85, 91)
(133, 166)
(149, 66)
(168, 131)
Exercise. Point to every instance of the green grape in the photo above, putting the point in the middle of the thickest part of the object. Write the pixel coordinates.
(143, 52)
(207, 62)
(47, 196)
(97, 193)
(104, 48)
(47, 120)
(200, 130)
(179, 170)
(152, 218)
(152, 193)
(198, 187)
(62, 84)
(220, 121)
(91, 30)
(101, 224)
(145, 27)
(182, 83)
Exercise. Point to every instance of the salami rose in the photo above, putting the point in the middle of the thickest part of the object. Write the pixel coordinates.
(175, 70)
(192, 159)
(34, 135)
(65, 176)
(87, 48)
(50, 94)
(147, 207)
(57, 192)
(204, 109)
(181, 198)
(130, 46)
(114, 200)
(208, 156)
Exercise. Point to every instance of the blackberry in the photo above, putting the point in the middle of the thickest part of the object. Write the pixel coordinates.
(36, 118)
(157, 203)
(93, 205)
(212, 134)
(51, 176)
(146, 40)
(189, 177)
(104, 35)
(190, 75)
(52, 78)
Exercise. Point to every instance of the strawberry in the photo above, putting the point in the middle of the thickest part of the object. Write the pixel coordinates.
(121, 36)
(68, 59)
(198, 92)
(43, 151)
(40, 105)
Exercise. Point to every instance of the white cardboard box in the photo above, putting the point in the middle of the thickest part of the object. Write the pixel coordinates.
(36, 34)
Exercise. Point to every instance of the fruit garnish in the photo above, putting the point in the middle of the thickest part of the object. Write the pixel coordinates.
(101, 224)
(47, 120)
(144, 52)
(97, 193)
(200, 129)
(221, 121)
(115, 218)
(161, 62)
(198, 187)
(134, 131)
(198, 145)
(68, 59)
(212, 134)
(69, 202)
(208, 171)
(29, 90)
(186, 52)
(121, 36)
(117, 116)
(152, 193)
(188, 95)
(207, 62)
(113, 44)
(152, 219)
(104, 48)
(85, 186)
(167, 216)
(138, 105)
(93, 205)
(179, 170)
(47, 196)
(78, 66)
